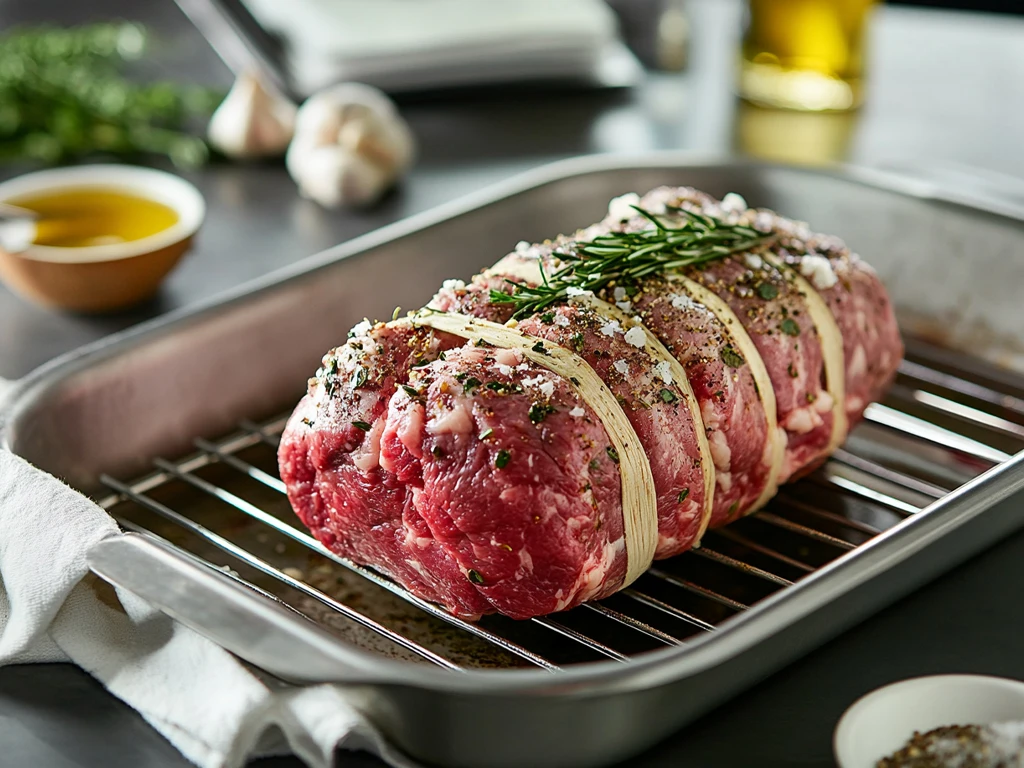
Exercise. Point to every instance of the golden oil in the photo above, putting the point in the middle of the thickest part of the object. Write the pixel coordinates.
(805, 54)
(78, 218)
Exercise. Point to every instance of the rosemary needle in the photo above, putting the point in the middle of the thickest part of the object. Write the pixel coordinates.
(627, 257)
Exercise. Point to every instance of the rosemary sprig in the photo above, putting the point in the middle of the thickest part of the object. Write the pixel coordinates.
(627, 257)
(64, 97)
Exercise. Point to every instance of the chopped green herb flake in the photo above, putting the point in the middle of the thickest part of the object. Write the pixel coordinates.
(539, 347)
(577, 341)
(793, 373)
(502, 459)
(307, 422)
(482, 343)
(503, 388)
(574, 380)
(789, 327)
(539, 412)
(731, 357)
(361, 425)
(470, 384)
(359, 378)
(594, 465)
(437, 452)
(475, 577)
(668, 396)
(733, 507)
(410, 391)
(682, 495)
(548, 318)
(612, 454)
(486, 433)
(767, 291)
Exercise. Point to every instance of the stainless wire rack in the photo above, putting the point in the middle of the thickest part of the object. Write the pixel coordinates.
(940, 425)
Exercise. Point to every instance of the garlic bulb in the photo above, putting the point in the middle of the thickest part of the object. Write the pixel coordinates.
(254, 120)
(350, 146)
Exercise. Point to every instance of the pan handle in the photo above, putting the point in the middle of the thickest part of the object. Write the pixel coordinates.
(250, 624)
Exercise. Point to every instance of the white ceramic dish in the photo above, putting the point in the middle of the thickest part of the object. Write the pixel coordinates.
(881, 722)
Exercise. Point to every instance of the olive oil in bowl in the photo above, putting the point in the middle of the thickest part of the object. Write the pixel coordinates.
(103, 237)
(84, 218)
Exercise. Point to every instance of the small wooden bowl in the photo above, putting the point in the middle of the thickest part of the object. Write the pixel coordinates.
(102, 278)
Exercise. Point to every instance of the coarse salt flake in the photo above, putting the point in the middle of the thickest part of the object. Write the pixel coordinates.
(621, 208)
(504, 370)
(625, 306)
(622, 367)
(636, 336)
(734, 203)
(562, 321)
(681, 301)
(664, 370)
(577, 413)
(619, 293)
(547, 388)
(610, 328)
(522, 247)
(572, 292)
(361, 328)
(656, 206)
(533, 382)
(453, 285)
(819, 271)
(753, 261)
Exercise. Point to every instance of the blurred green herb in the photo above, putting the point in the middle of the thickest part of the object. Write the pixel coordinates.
(63, 97)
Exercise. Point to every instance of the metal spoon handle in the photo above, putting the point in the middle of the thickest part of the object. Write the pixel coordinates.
(8, 211)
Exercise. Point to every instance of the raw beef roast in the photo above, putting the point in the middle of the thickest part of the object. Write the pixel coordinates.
(481, 478)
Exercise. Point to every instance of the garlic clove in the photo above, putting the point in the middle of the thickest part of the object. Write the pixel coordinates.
(386, 141)
(370, 145)
(335, 100)
(333, 175)
(254, 120)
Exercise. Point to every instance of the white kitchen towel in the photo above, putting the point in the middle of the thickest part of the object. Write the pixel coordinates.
(202, 699)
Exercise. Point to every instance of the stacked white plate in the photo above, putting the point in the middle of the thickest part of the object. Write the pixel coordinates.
(402, 45)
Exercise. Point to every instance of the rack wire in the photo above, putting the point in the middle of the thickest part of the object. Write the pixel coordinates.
(938, 427)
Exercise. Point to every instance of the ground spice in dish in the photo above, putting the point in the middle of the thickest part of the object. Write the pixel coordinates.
(1000, 745)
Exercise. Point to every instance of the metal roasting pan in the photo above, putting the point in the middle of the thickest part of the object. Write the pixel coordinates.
(953, 265)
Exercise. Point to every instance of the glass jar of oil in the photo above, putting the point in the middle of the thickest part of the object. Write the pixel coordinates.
(805, 54)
